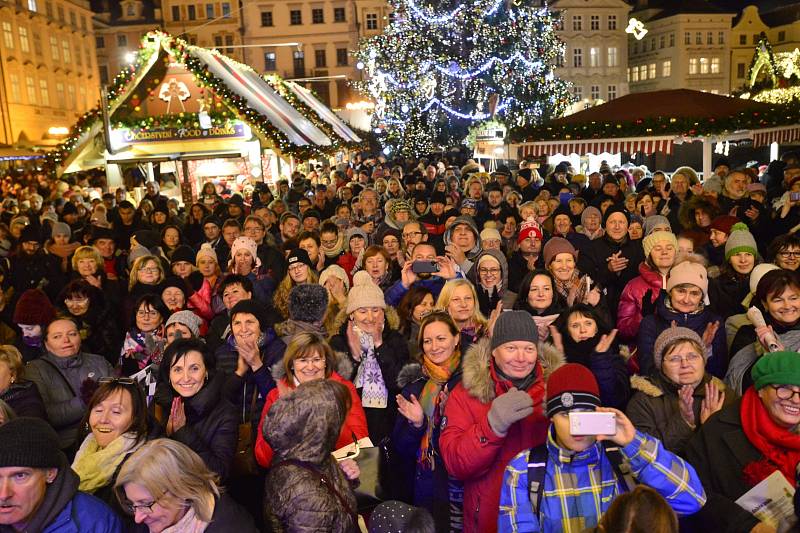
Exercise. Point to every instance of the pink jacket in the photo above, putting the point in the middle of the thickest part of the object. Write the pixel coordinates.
(629, 312)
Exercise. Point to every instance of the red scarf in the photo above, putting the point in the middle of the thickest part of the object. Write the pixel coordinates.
(780, 446)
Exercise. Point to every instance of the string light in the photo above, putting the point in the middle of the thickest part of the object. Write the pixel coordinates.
(421, 13)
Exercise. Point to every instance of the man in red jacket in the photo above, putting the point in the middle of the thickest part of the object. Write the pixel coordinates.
(494, 413)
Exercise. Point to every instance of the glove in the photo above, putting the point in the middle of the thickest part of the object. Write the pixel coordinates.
(194, 282)
(507, 409)
(648, 307)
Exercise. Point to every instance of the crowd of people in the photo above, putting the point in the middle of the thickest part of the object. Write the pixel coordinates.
(220, 366)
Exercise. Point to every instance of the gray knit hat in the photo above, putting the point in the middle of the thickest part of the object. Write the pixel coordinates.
(514, 326)
(61, 228)
(740, 240)
(589, 210)
(671, 335)
(188, 319)
(652, 221)
(308, 302)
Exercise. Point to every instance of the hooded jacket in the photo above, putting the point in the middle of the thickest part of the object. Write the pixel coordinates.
(686, 217)
(303, 426)
(488, 302)
(472, 451)
(472, 254)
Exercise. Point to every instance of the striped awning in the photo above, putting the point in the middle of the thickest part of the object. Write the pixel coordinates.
(596, 146)
(781, 135)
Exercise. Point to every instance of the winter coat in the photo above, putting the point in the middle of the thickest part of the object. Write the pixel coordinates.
(212, 423)
(428, 488)
(610, 370)
(228, 516)
(472, 255)
(472, 451)
(24, 398)
(392, 355)
(719, 452)
(629, 311)
(727, 291)
(699, 235)
(304, 428)
(654, 410)
(436, 226)
(354, 424)
(59, 380)
(518, 269)
(738, 376)
(488, 303)
(652, 326)
(100, 333)
(39, 271)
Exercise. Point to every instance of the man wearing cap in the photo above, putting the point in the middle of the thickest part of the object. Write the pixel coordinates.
(212, 229)
(528, 256)
(32, 268)
(526, 183)
(39, 490)
(579, 480)
(436, 217)
(494, 413)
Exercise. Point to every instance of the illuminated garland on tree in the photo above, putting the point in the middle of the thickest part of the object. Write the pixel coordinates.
(444, 65)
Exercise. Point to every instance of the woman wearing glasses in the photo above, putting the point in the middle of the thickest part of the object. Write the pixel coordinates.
(144, 341)
(308, 358)
(672, 403)
(426, 387)
(489, 275)
(147, 273)
(116, 420)
(165, 486)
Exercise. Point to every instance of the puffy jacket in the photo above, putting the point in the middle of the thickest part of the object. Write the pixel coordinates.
(629, 311)
(652, 326)
(472, 451)
(579, 488)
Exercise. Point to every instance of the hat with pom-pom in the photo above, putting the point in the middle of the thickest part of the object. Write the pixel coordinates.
(206, 250)
(248, 244)
(571, 386)
(364, 293)
(308, 303)
(740, 240)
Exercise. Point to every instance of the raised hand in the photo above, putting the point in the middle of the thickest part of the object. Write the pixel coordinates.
(411, 409)
(709, 333)
(686, 404)
(605, 341)
(625, 428)
(495, 314)
(712, 402)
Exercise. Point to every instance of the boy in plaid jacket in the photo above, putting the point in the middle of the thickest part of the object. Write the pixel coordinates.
(580, 480)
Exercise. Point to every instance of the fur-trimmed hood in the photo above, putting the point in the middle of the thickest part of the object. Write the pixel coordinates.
(343, 367)
(392, 320)
(698, 201)
(653, 389)
(410, 373)
(477, 378)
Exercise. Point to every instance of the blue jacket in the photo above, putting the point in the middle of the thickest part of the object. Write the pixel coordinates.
(85, 514)
(579, 488)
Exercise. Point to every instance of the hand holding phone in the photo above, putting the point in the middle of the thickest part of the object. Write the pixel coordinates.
(592, 423)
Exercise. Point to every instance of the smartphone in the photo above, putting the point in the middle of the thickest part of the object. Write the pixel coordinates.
(794, 196)
(592, 423)
(424, 267)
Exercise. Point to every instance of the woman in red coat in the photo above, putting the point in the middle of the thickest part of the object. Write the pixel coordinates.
(495, 412)
(308, 358)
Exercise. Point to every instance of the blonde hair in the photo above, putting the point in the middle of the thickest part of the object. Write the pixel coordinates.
(443, 302)
(87, 252)
(10, 355)
(173, 472)
(139, 264)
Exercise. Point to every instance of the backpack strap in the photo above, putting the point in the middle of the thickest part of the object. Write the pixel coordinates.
(622, 468)
(537, 466)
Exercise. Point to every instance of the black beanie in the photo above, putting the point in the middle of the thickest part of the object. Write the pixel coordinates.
(615, 208)
(99, 232)
(299, 255)
(212, 219)
(183, 253)
(438, 197)
(147, 238)
(69, 209)
(254, 308)
(173, 281)
(31, 233)
(308, 302)
(30, 442)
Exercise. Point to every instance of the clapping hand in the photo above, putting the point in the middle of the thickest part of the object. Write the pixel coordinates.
(605, 341)
(709, 333)
(411, 409)
(686, 404)
(712, 402)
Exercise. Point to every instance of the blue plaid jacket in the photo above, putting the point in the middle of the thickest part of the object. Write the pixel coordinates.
(579, 488)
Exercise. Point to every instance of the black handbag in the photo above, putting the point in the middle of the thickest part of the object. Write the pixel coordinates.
(373, 481)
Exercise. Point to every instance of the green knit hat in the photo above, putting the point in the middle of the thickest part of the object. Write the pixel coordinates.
(777, 368)
(740, 240)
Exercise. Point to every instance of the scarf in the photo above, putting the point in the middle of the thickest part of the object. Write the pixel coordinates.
(337, 251)
(430, 399)
(520, 383)
(369, 377)
(574, 289)
(34, 341)
(146, 348)
(580, 352)
(780, 447)
(96, 466)
(190, 523)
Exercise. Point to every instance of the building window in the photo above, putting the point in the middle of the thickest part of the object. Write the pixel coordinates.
(44, 94)
(577, 57)
(635, 74)
(629, 74)
(8, 35)
(594, 57)
(299, 63)
(662, 41)
(710, 38)
(73, 21)
(671, 40)
(743, 39)
(612, 56)
(651, 71)
(714, 65)
(122, 40)
(594, 22)
(82, 102)
(635, 47)
(320, 61)
(341, 57)
(71, 97)
(577, 92)
(642, 72)
(54, 48)
(103, 73)
(31, 7)
(48, 9)
(16, 93)
(740, 70)
(83, 23)
(755, 38)
(704, 65)
(100, 42)
(577, 23)
(30, 87)
(687, 38)
(131, 12)
(176, 12)
(209, 11)
(295, 17)
(612, 92)
(60, 95)
(218, 41)
(721, 37)
(270, 61)
(339, 14)
(612, 22)
(191, 12)
(653, 44)
(226, 10)
(781, 36)
(37, 43)
(229, 42)
(317, 16)
(595, 92)
(24, 43)
(692, 65)
(65, 51)
(666, 68)
(78, 56)
(698, 38)
(372, 21)
(60, 10)
(266, 18)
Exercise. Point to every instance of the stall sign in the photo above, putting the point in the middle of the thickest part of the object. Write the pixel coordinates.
(127, 136)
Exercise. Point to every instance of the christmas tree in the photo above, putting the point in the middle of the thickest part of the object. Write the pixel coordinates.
(442, 66)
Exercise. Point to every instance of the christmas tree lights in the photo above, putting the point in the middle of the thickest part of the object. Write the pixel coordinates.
(441, 66)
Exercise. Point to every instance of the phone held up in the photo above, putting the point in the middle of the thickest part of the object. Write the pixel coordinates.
(592, 423)
(424, 267)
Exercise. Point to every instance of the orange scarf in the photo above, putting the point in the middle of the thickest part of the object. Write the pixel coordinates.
(430, 398)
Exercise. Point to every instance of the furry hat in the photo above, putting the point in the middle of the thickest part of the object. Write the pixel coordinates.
(308, 303)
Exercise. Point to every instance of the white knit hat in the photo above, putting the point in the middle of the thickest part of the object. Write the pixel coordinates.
(248, 244)
(207, 251)
(364, 293)
(337, 272)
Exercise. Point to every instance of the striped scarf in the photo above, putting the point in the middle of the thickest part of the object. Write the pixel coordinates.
(369, 377)
(430, 399)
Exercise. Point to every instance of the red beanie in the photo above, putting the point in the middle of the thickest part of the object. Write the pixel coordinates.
(34, 308)
(724, 223)
(571, 386)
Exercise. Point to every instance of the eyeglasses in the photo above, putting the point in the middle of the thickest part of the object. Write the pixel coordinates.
(331, 242)
(150, 270)
(144, 313)
(787, 255)
(412, 234)
(75, 301)
(121, 381)
(785, 393)
(310, 361)
(494, 271)
(688, 358)
(146, 508)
